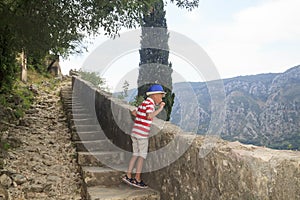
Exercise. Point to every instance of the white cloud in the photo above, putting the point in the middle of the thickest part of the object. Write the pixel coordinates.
(252, 43)
(272, 21)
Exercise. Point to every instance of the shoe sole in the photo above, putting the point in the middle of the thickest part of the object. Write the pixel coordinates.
(129, 183)
(126, 181)
(141, 187)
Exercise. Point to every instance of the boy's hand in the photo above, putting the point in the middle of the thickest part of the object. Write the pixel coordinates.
(153, 114)
(162, 104)
(133, 113)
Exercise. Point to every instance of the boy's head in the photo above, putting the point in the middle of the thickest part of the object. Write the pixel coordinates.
(156, 92)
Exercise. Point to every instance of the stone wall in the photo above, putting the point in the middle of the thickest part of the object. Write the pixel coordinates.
(208, 168)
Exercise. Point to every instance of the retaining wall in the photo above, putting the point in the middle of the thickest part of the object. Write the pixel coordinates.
(208, 168)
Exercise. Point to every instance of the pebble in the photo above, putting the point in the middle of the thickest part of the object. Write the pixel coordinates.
(19, 179)
(5, 180)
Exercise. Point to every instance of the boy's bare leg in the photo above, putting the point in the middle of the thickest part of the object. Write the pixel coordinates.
(139, 167)
(131, 165)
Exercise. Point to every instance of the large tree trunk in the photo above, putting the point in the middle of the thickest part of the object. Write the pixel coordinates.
(23, 66)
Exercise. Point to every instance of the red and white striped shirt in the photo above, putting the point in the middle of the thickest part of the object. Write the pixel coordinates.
(141, 127)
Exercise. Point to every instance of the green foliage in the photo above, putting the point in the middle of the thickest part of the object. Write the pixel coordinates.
(59, 27)
(19, 98)
(6, 146)
(8, 66)
(187, 4)
(124, 93)
(38, 64)
(137, 101)
(169, 100)
(154, 62)
(56, 26)
(290, 141)
(95, 79)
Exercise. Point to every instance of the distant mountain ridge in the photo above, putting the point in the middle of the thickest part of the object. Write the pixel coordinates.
(261, 109)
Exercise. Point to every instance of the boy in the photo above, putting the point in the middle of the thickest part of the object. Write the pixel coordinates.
(140, 133)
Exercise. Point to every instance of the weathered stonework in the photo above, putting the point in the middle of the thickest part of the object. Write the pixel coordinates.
(211, 168)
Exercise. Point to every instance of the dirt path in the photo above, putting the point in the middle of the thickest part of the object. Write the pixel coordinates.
(44, 165)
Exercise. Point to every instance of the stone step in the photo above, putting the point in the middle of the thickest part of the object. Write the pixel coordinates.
(86, 128)
(77, 109)
(74, 104)
(93, 176)
(121, 192)
(66, 90)
(71, 99)
(100, 158)
(69, 95)
(95, 145)
(88, 136)
(81, 116)
(86, 121)
(66, 94)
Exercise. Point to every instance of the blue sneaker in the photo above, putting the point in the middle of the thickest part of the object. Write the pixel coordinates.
(140, 184)
(130, 181)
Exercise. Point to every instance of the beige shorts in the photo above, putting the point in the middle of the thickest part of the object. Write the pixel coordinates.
(140, 146)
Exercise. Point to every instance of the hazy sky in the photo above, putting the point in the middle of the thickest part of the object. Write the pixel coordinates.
(242, 37)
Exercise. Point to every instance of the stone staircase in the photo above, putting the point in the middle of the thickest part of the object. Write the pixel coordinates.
(94, 150)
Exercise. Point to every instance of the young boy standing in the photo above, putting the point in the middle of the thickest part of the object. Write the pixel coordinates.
(140, 132)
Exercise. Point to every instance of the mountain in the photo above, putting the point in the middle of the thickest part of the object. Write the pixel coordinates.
(260, 109)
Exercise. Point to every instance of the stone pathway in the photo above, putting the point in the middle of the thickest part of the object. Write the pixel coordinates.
(55, 160)
(44, 166)
(95, 150)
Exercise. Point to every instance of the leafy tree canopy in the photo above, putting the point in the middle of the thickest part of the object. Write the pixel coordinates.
(60, 26)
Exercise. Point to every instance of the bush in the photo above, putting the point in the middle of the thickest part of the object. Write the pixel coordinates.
(95, 79)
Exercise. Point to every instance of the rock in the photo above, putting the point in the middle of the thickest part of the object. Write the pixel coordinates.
(30, 195)
(36, 188)
(3, 193)
(5, 180)
(33, 88)
(14, 142)
(17, 99)
(55, 179)
(32, 111)
(19, 178)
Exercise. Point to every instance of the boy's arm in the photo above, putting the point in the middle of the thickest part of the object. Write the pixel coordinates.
(153, 114)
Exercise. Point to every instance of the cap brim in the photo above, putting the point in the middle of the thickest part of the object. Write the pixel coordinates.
(156, 92)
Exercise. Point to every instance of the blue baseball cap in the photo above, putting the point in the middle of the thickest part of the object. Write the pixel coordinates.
(155, 89)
